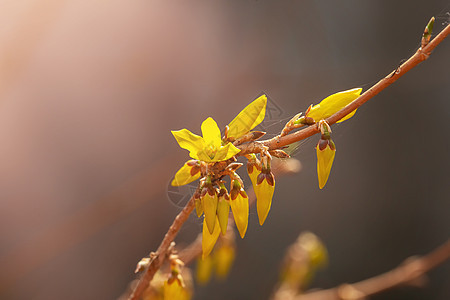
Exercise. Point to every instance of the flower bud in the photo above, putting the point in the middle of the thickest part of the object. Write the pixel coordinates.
(264, 189)
(204, 269)
(224, 257)
(239, 206)
(210, 200)
(223, 209)
(326, 151)
(209, 239)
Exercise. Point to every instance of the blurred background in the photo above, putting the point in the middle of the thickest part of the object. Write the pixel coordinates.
(89, 91)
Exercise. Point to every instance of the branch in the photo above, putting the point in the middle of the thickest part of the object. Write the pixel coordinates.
(410, 270)
(421, 55)
(160, 255)
(278, 142)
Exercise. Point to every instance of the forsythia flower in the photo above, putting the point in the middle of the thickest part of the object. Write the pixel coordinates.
(209, 239)
(207, 148)
(332, 104)
(210, 153)
(326, 150)
(264, 188)
(239, 206)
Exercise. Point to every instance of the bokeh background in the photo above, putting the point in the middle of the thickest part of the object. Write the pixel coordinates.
(89, 91)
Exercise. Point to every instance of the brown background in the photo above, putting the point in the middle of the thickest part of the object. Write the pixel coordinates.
(89, 91)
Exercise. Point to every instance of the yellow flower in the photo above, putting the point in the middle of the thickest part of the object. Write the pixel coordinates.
(326, 151)
(223, 209)
(210, 200)
(264, 188)
(204, 269)
(210, 148)
(332, 104)
(224, 257)
(209, 239)
(207, 148)
(239, 207)
(189, 172)
(175, 291)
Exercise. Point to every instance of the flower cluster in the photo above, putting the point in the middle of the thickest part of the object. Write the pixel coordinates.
(214, 158)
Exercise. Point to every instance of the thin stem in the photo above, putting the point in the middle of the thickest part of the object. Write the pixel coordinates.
(160, 254)
(420, 55)
(410, 270)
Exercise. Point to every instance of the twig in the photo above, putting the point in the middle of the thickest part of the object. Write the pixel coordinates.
(420, 56)
(410, 270)
(278, 142)
(160, 254)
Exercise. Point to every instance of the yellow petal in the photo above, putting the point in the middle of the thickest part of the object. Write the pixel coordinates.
(211, 134)
(248, 118)
(204, 269)
(198, 207)
(184, 175)
(204, 156)
(226, 152)
(224, 257)
(173, 291)
(253, 173)
(223, 211)
(264, 194)
(324, 162)
(239, 206)
(333, 103)
(210, 210)
(208, 239)
(189, 141)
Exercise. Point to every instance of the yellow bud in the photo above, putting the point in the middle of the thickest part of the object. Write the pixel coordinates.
(325, 155)
(174, 291)
(224, 257)
(264, 192)
(210, 201)
(223, 211)
(332, 104)
(239, 206)
(209, 239)
(204, 269)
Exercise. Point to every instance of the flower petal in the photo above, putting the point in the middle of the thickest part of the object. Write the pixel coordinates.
(248, 118)
(223, 258)
(174, 291)
(210, 210)
(204, 269)
(208, 239)
(324, 163)
(226, 152)
(264, 194)
(189, 141)
(184, 175)
(223, 211)
(333, 103)
(239, 206)
(211, 134)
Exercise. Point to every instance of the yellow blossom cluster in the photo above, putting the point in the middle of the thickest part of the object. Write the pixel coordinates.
(214, 157)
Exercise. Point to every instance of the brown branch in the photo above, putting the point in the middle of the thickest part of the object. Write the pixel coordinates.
(278, 142)
(160, 255)
(420, 55)
(410, 270)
